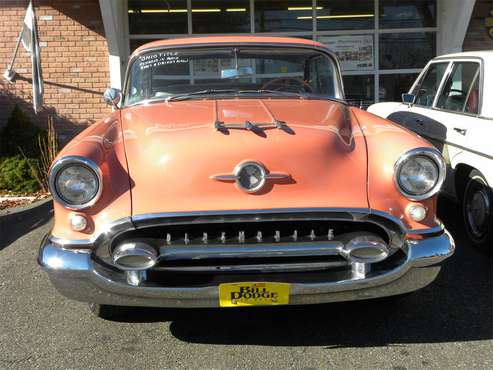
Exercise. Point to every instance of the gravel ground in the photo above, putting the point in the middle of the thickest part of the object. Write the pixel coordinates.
(446, 325)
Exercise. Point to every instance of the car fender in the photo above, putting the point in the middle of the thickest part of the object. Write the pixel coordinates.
(384, 109)
(481, 162)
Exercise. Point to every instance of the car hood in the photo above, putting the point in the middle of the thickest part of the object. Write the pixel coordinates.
(173, 151)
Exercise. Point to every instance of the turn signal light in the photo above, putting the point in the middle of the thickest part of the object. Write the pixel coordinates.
(78, 222)
(417, 212)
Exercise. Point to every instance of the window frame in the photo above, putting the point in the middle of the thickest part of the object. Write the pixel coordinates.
(446, 76)
(421, 77)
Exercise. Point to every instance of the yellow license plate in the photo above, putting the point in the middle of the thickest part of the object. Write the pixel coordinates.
(253, 294)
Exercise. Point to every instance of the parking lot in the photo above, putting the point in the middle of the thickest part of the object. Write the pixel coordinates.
(446, 325)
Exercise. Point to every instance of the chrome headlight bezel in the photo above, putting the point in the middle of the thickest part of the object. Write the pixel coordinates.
(65, 162)
(430, 153)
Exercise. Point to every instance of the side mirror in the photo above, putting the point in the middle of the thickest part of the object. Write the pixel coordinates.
(408, 99)
(112, 97)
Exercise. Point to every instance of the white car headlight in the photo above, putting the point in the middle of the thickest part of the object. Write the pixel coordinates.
(75, 182)
(419, 173)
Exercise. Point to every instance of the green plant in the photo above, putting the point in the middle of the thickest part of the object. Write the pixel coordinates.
(20, 133)
(16, 174)
(48, 149)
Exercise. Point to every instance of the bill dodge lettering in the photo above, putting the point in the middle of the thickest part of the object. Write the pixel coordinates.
(253, 292)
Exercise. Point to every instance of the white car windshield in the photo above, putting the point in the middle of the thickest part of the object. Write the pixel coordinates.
(203, 72)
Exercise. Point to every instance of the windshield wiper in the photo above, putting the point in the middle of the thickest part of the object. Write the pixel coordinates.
(190, 95)
(264, 91)
(199, 92)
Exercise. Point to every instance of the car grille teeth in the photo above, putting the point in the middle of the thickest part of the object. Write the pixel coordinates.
(259, 236)
(252, 236)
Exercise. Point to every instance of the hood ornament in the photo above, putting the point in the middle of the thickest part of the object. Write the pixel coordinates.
(250, 176)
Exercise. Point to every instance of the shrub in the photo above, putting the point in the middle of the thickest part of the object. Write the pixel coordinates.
(16, 174)
(48, 149)
(20, 133)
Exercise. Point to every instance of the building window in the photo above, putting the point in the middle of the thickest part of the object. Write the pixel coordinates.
(355, 52)
(345, 15)
(392, 86)
(283, 16)
(381, 44)
(407, 13)
(220, 16)
(360, 90)
(157, 17)
(406, 50)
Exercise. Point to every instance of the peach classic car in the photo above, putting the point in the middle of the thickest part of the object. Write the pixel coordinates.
(233, 173)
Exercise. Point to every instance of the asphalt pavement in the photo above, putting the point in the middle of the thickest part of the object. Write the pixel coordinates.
(447, 325)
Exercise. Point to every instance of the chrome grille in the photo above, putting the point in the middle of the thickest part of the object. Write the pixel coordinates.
(265, 246)
(232, 233)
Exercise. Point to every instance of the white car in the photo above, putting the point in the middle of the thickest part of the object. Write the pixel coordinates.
(451, 105)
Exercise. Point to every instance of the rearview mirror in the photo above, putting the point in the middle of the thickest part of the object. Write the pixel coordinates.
(112, 97)
(237, 73)
(408, 99)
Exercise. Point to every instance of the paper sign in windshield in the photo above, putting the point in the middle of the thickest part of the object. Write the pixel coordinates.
(160, 59)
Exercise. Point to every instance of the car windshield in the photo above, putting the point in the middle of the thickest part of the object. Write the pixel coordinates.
(197, 73)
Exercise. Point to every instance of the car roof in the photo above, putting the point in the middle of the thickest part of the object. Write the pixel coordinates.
(186, 41)
(483, 54)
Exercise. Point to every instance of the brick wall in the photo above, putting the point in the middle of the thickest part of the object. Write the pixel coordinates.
(477, 36)
(74, 58)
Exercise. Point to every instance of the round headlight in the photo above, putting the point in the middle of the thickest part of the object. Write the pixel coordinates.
(419, 174)
(75, 182)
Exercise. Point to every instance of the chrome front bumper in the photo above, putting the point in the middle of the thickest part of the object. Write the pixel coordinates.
(75, 275)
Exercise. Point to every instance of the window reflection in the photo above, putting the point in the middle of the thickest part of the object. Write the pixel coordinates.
(360, 90)
(407, 14)
(345, 15)
(406, 50)
(283, 16)
(392, 86)
(220, 16)
(157, 17)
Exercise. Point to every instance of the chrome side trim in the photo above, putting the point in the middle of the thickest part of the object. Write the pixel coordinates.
(467, 149)
(69, 160)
